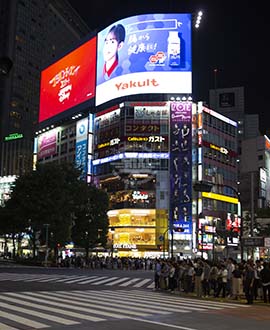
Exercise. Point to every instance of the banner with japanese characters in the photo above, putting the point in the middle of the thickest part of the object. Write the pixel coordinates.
(69, 81)
(144, 54)
(180, 210)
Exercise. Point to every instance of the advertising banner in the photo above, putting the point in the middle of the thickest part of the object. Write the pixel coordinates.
(47, 144)
(144, 54)
(81, 155)
(68, 82)
(181, 166)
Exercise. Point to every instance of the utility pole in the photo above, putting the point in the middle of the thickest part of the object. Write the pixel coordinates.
(46, 225)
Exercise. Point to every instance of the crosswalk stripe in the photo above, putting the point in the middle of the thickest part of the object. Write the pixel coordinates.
(38, 314)
(131, 304)
(94, 305)
(197, 301)
(31, 296)
(105, 280)
(77, 280)
(139, 285)
(6, 327)
(67, 313)
(146, 304)
(80, 279)
(66, 278)
(132, 281)
(49, 279)
(93, 279)
(22, 320)
(118, 281)
(34, 278)
(159, 302)
(99, 297)
(151, 286)
(85, 302)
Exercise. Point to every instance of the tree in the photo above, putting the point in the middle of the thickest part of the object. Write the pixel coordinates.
(91, 223)
(48, 196)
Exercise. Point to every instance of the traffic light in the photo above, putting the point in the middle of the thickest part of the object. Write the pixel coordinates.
(179, 229)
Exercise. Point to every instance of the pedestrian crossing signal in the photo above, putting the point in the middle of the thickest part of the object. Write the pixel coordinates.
(179, 229)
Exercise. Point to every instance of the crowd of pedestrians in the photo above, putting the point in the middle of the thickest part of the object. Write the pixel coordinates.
(102, 262)
(202, 278)
(226, 279)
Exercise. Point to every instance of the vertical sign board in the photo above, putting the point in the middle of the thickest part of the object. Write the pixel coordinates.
(81, 146)
(181, 166)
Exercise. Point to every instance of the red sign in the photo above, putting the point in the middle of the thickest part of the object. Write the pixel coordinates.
(233, 222)
(68, 82)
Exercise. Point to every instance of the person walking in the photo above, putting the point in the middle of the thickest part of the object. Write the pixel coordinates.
(249, 275)
(222, 281)
(198, 278)
(157, 274)
(265, 279)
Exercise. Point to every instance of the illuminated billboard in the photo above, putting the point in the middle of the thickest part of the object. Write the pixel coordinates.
(144, 54)
(68, 82)
(180, 166)
(47, 144)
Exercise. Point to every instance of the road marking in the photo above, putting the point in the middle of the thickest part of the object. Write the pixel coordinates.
(164, 324)
(146, 304)
(139, 285)
(21, 320)
(66, 278)
(132, 281)
(93, 279)
(31, 296)
(6, 327)
(192, 300)
(77, 279)
(105, 280)
(65, 312)
(118, 281)
(85, 302)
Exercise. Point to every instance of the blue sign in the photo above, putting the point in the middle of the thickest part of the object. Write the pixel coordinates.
(144, 54)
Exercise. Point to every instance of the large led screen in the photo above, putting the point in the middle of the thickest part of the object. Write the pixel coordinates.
(68, 82)
(144, 54)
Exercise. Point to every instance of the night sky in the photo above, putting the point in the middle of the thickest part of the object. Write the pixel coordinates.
(233, 38)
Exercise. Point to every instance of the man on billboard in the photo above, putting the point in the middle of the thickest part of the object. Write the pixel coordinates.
(155, 56)
(113, 43)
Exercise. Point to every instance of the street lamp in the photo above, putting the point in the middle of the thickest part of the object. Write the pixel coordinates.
(46, 225)
(112, 230)
(5, 65)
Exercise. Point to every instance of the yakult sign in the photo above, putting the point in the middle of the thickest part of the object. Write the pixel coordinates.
(144, 54)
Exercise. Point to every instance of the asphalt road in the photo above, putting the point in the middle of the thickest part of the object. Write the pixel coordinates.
(80, 299)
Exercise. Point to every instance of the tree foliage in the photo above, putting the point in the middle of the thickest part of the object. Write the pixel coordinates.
(53, 196)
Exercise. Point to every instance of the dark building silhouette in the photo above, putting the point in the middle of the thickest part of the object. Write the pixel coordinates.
(33, 34)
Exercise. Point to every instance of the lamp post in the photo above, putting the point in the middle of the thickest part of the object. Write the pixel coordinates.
(46, 225)
(112, 230)
(5, 65)
(164, 241)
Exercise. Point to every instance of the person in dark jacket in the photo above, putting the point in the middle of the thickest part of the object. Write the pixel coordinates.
(265, 278)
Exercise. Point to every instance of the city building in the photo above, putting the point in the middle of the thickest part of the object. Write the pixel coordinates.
(143, 140)
(218, 210)
(27, 41)
(231, 103)
(255, 174)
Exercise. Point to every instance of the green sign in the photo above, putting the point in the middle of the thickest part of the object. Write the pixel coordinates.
(13, 136)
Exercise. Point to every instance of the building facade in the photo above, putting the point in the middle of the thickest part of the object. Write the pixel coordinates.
(28, 42)
(134, 155)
